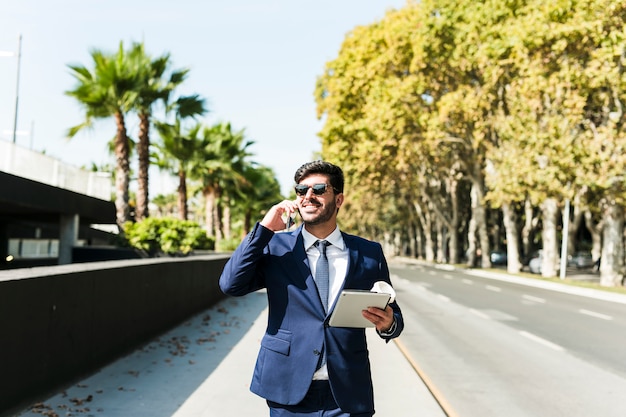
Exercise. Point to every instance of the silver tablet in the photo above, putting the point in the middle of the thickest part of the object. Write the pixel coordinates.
(347, 312)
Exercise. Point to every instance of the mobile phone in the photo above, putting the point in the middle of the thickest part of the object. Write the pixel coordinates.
(289, 221)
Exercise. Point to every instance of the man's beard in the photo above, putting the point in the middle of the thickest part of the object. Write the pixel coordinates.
(325, 215)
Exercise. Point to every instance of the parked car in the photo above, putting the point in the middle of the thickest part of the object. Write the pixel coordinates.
(581, 260)
(535, 262)
(498, 257)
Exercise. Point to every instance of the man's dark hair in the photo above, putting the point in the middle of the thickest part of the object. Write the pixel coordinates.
(335, 174)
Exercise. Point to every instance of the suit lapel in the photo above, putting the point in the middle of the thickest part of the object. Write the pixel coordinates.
(353, 256)
(303, 268)
(300, 257)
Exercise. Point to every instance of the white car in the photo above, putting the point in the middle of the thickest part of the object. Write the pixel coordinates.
(535, 263)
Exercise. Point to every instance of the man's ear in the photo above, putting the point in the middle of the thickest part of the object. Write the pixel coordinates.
(339, 200)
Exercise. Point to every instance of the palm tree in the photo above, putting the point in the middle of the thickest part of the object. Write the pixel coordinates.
(177, 152)
(260, 191)
(110, 89)
(220, 164)
(156, 87)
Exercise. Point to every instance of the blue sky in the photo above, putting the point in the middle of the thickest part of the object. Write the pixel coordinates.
(255, 62)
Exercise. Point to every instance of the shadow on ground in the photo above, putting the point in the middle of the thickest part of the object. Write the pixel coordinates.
(157, 378)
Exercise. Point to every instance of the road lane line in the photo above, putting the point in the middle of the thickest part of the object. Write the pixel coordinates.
(480, 314)
(437, 395)
(443, 297)
(467, 281)
(492, 288)
(541, 341)
(535, 299)
(594, 314)
(445, 267)
(447, 276)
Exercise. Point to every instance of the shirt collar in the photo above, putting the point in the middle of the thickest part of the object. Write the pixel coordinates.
(334, 239)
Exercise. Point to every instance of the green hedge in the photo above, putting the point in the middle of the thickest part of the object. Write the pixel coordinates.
(167, 236)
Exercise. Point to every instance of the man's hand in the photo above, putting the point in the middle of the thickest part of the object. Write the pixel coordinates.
(274, 220)
(382, 319)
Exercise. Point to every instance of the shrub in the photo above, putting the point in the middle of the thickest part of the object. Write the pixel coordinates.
(167, 236)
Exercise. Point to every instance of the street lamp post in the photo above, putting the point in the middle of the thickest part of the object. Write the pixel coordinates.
(17, 84)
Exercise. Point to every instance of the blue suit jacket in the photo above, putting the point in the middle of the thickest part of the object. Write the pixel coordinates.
(297, 328)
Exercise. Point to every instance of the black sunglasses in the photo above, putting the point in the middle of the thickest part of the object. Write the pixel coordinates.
(318, 189)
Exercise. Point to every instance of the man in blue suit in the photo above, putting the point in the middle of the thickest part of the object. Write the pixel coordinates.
(306, 367)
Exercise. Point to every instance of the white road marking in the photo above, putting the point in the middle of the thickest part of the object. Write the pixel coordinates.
(443, 297)
(447, 276)
(480, 314)
(467, 281)
(541, 341)
(492, 288)
(534, 299)
(445, 267)
(596, 315)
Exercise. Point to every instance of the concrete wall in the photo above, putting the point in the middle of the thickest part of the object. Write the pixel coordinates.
(60, 322)
(39, 167)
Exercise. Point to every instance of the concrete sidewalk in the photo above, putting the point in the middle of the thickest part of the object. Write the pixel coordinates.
(203, 368)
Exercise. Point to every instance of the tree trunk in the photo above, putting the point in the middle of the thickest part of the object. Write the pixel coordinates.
(477, 231)
(217, 217)
(453, 227)
(209, 209)
(613, 248)
(509, 217)
(472, 243)
(528, 229)
(549, 262)
(595, 229)
(387, 242)
(397, 243)
(479, 212)
(441, 238)
(182, 195)
(429, 245)
(122, 171)
(412, 231)
(576, 219)
(247, 223)
(419, 240)
(226, 218)
(143, 155)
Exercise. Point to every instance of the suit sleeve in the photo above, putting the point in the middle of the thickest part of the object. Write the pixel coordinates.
(242, 273)
(398, 324)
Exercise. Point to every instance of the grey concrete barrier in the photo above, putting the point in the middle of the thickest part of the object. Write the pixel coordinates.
(58, 323)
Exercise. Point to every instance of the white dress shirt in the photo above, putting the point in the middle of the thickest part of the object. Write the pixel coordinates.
(337, 255)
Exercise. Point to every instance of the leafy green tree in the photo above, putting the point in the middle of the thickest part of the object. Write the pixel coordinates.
(379, 106)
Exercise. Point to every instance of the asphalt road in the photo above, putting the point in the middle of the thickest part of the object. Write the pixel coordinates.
(494, 348)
